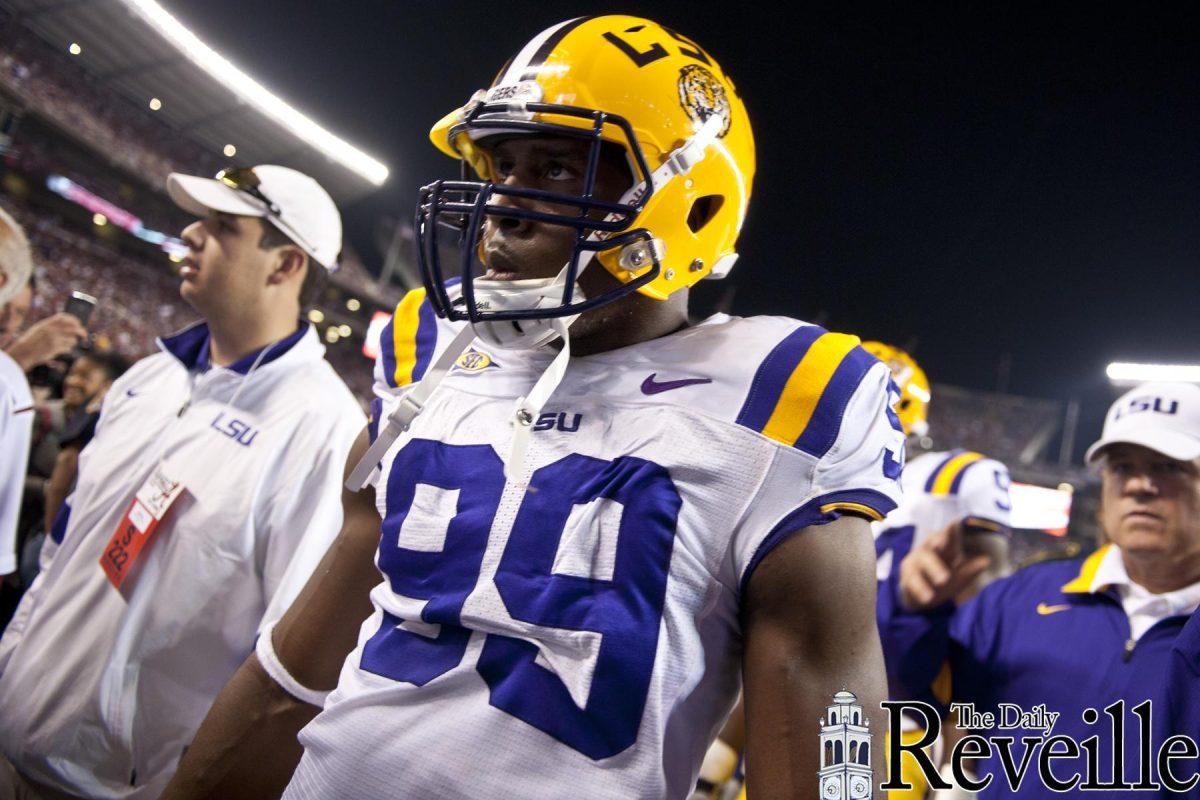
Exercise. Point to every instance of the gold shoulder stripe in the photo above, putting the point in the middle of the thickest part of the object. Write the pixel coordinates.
(804, 388)
(944, 483)
(858, 508)
(405, 323)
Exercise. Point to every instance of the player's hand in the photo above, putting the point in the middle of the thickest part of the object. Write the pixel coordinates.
(936, 570)
(47, 340)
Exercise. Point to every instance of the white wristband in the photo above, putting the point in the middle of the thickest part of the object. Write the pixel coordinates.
(719, 763)
(265, 650)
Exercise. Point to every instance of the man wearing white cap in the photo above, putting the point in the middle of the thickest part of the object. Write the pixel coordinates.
(1080, 634)
(207, 496)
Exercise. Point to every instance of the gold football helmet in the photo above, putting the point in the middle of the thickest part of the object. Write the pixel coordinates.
(609, 79)
(913, 407)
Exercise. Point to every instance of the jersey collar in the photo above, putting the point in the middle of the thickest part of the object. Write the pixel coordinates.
(190, 347)
(1105, 569)
(1088, 581)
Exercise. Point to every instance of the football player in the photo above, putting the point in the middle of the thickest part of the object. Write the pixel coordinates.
(595, 517)
(957, 494)
(940, 488)
(957, 488)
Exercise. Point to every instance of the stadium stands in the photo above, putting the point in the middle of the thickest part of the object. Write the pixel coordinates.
(1014, 429)
(69, 123)
(66, 95)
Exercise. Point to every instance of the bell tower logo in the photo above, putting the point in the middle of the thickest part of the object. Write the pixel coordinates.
(845, 772)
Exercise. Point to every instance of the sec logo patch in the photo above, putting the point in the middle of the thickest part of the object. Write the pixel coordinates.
(475, 361)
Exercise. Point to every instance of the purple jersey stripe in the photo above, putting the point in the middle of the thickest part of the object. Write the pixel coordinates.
(954, 484)
(58, 528)
(822, 429)
(773, 374)
(387, 349)
(810, 514)
(933, 476)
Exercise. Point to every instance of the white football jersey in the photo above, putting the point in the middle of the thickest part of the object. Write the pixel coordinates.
(940, 488)
(575, 632)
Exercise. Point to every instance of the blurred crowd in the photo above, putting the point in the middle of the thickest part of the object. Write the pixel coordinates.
(136, 301)
(63, 92)
(1013, 429)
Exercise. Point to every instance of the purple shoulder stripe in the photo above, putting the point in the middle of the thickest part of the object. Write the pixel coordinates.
(773, 374)
(953, 454)
(826, 422)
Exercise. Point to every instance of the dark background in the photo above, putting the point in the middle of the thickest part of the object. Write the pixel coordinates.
(1012, 192)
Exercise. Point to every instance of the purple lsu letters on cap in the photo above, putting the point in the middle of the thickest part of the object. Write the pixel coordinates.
(1164, 417)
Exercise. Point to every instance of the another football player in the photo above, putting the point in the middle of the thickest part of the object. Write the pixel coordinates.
(1081, 634)
(958, 489)
(595, 517)
(957, 493)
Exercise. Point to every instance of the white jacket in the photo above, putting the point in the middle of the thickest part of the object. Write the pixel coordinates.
(16, 428)
(100, 690)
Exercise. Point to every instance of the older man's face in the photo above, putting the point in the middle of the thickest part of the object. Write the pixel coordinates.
(13, 314)
(1150, 503)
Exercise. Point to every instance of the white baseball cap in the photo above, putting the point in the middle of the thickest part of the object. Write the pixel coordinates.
(1164, 417)
(290, 200)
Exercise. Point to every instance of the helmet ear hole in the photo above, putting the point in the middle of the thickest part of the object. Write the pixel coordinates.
(703, 210)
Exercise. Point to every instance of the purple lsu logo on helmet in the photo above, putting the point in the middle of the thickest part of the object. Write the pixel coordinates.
(1137, 405)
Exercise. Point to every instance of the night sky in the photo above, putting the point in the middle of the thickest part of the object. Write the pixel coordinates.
(981, 184)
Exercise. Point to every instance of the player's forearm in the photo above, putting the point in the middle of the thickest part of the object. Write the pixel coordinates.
(246, 747)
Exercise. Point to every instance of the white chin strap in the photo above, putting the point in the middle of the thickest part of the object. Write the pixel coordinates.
(526, 295)
(527, 408)
(527, 334)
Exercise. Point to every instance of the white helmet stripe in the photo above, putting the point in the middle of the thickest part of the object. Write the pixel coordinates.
(534, 53)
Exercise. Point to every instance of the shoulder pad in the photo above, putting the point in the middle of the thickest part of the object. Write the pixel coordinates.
(800, 390)
(411, 339)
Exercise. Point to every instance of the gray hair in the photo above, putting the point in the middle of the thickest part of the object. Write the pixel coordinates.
(16, 261)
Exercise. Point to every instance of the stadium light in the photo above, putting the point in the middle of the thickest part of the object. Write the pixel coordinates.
(75, 49)
(316, 316)
(99, 220)
(155, 104)
(230, 151)
(256, 94)
(353, 304)
(1122, 372)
